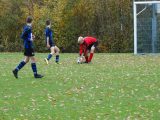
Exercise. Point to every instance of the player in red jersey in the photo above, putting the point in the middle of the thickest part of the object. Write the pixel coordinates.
(87, 45)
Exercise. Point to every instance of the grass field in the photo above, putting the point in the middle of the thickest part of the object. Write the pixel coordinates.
(112, 87)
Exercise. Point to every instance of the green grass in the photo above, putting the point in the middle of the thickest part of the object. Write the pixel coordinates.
(113, 86)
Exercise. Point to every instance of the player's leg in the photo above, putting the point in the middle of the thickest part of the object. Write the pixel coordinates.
(22, 63)
(91, 53)
(57, 50)
(20, 66)
(50, 55)
(86, 56)
(34, 67)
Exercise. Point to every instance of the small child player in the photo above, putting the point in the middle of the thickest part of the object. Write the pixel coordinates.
(28, 49)
(50, 43)
(87, 45)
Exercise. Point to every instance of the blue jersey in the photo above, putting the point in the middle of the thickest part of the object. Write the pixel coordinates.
(27, 36)
(49, 33)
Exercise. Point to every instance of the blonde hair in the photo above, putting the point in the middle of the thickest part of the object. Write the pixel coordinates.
(80, 39)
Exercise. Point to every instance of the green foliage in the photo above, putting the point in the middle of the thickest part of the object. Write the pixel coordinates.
(10, 26)
(109, 21)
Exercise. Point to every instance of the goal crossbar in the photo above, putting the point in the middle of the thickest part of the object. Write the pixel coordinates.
(147, 2)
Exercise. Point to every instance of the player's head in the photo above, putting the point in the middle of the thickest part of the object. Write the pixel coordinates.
(29, 20)
(80, 40)
(48, 22)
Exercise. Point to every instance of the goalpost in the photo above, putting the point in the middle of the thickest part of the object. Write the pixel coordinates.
(146, 27)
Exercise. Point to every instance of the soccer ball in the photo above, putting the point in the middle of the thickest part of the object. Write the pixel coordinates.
(81, 60)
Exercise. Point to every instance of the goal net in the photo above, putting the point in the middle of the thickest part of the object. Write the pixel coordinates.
(146, 27)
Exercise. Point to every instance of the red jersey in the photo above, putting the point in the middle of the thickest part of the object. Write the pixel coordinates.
(87, 42)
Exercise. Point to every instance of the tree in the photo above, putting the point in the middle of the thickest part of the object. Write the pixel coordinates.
(109, 21)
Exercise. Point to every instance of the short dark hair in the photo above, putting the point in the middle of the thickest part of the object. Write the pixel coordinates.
(48, 22)
(29, 19)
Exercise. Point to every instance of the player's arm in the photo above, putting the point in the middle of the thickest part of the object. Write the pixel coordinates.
(48, 46)
(47, 39)
(81, 50)
(33, 37)
(80, 54)
(25, 32)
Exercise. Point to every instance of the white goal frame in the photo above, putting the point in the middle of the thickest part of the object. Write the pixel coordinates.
(135, 18)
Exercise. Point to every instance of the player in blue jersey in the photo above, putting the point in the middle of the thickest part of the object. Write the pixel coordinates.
(28, 49)
(50, 43)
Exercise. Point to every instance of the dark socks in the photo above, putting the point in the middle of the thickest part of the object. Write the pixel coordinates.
(49, 56)
(34, 68)
(57, 58)
(20, 66)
